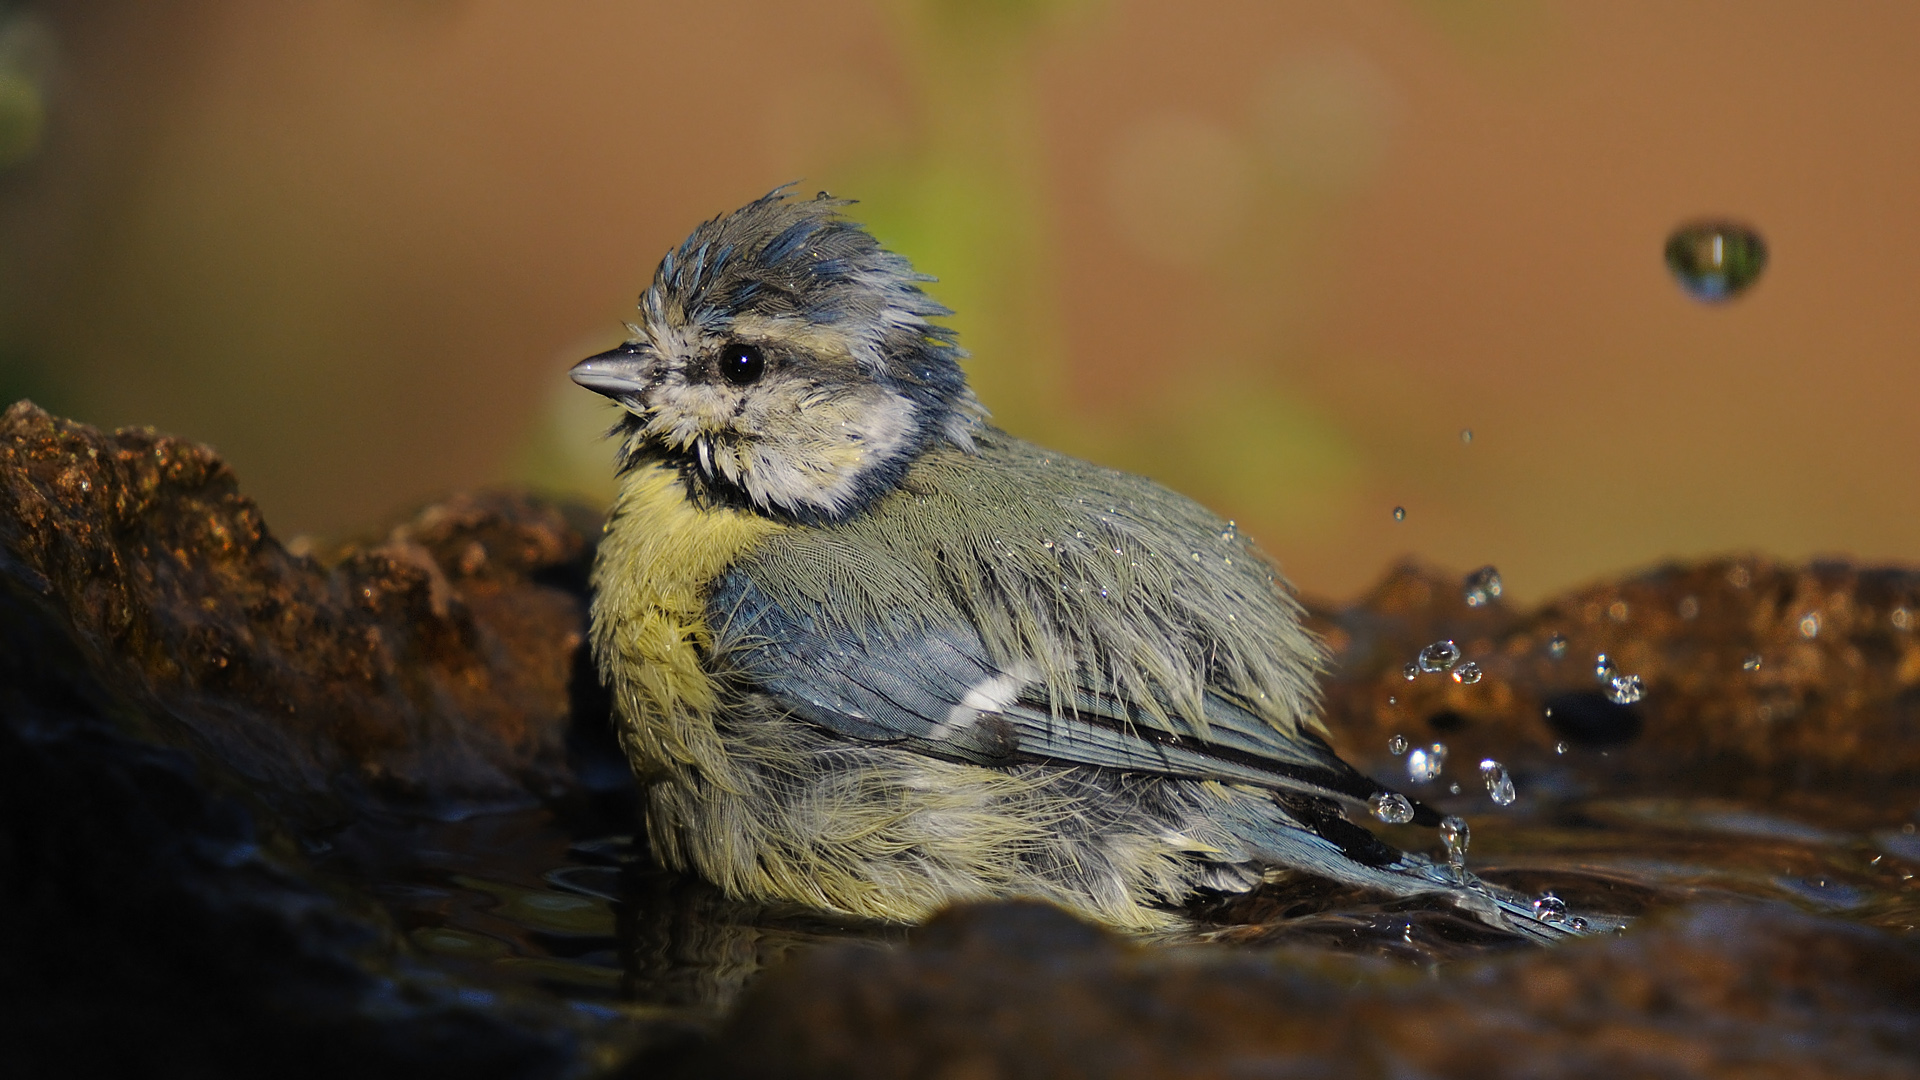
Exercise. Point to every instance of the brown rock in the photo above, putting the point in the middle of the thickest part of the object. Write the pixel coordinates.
(1834, 701)
(432, 664)
(1022, 990)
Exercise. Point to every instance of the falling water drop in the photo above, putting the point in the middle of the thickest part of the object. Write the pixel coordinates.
(1392, 807)
(1715, 261)
(1439, 656)
(1456, 836)
(1482, 587)
(1810, 625)
(1424, 765)
(1751, 663)
(1467, 674)
(1397, 745)
(1499, 783)
(1399, 513)
(1625, 689)
(1603, 669)
(1466, 435)
(1557, 646)
(1411, 671)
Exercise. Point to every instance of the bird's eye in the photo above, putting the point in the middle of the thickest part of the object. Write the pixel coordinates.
(742, 364)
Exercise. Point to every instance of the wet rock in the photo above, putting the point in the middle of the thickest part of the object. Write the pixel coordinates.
(356, 807)
(430, 665)
(158, 919)
(1761, 679)
(1023, 990)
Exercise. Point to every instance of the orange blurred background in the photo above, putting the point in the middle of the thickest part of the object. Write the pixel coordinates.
(1277, 255)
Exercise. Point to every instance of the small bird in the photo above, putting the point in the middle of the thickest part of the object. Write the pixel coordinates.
(872, 654)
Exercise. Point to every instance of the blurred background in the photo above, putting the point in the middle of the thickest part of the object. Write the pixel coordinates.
(1277, 255)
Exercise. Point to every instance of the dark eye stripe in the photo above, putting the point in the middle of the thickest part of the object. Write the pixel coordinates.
(741, 364)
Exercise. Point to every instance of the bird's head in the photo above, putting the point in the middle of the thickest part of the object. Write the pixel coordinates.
(785, 361)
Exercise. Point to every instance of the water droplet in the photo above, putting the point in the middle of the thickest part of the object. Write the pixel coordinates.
(1577, 924)
(1499, 783)
(1397, 745)
(1392, 807)
(1603, 669)
(1411, 671)
(1550, 909)
(1453, 788)
(1048, 544)
(1625, 689)
(1810, 625)
(1391, 700)
(1456, 836)
(1227, 534)
(1424, 765)
(1439, 656)
(1399, 513)
(1751, 663)
(1103, 592)
(1715, 260)
(1901, 618)
(1467, 674)
(1559, 748)
(1482, 587)
(1557, 646)
(1690, 607)
(1466, 435)
(1196, 556)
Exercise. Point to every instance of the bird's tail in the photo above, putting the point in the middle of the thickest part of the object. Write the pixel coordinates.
(1273, 835)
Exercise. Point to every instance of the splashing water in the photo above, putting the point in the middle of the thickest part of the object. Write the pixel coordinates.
(1715, 261)
(1424, 765)
(1456, 836)
(1392, 807)
(1625, 689)
(1482, 587)
(1439, 656)
(1499, 782)
(1550, 909)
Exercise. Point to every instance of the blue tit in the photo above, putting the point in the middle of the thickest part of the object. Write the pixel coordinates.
(872, 654)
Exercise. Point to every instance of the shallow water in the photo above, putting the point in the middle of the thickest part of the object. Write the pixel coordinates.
(368, 811)
(520, 902)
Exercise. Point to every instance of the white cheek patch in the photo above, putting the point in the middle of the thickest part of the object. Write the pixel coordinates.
(993, 694)
(828, 446)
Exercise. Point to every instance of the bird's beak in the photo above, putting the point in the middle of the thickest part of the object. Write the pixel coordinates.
(615, 372)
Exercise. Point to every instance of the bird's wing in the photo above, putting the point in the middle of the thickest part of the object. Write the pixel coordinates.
(935, 688)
